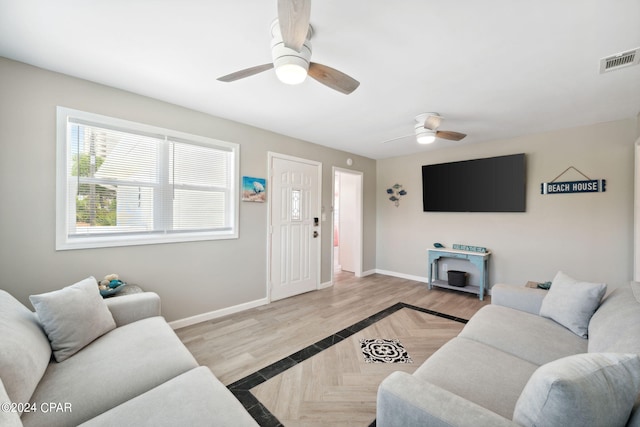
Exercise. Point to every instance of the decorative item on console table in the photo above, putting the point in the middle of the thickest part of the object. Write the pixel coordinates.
(457, 278)
(468, 248)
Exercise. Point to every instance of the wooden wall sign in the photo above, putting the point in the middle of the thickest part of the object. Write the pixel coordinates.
(585, 186)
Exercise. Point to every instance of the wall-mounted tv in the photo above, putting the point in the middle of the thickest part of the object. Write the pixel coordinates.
(495, 184)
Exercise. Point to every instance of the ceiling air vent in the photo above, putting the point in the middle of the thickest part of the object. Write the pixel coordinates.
(620, 60)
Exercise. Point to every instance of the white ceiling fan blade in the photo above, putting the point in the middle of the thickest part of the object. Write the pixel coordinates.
(245, 73)
(294, 16)
(432, 122)
(395, 139)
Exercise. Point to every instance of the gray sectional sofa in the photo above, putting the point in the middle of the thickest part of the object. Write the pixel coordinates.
(137, 373)
(512, 366)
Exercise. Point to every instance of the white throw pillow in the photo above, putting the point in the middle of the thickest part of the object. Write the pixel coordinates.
(594, 389)
(571, 303)
(73, 317)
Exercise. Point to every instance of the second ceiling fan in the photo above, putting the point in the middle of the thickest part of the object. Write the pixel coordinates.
(291, 51)
(426, 130)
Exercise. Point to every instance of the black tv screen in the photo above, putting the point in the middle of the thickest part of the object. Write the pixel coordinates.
(495, 184)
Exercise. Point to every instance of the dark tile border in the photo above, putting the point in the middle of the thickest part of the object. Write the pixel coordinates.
(241, 388)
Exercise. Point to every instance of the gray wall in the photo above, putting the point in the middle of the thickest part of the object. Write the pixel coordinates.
(192, 278)
(589, 236)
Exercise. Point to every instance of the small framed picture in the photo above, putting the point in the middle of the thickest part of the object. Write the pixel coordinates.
(254, 189)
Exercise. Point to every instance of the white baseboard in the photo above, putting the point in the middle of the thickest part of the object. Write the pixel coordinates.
(325, 284)
(402, 275)
(181, 323)
(368, 273)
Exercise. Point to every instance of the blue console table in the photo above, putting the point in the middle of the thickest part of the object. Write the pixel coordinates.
(478, 259)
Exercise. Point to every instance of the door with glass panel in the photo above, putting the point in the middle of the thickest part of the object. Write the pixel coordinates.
(294, 230)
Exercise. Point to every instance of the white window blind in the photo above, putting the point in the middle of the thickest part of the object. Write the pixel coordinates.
(124, 183)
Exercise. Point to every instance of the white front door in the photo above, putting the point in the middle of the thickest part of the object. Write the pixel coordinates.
(294, 226)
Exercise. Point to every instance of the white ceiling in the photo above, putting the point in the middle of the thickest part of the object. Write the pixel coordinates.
(494, 69)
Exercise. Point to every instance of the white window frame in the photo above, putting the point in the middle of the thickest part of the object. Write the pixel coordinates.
(64, 241)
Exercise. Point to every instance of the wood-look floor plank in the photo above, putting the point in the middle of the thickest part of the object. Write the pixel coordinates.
(338, 386)
(237, 345)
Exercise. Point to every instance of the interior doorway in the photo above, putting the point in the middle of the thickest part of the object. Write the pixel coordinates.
(347, 221)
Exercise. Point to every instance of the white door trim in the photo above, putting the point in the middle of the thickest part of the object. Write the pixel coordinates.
(636, 213)
(360, 216)
(270, 156)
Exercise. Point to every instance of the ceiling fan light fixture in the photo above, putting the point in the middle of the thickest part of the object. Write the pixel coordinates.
(291, 70)
(426, 139)
(424, 135)
(291, 66)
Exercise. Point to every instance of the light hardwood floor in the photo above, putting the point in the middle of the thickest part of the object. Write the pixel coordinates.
(337, 387)
(240, 344)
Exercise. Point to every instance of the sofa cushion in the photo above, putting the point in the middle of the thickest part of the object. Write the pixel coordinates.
(73, 316)
(477, 372)
(8, 416)
(405, 401)
(195, 398)
(595, 389)
(533, 338)
(25, 351)
(613, 327)
(571, 303)
(518, 297)
(113, 369)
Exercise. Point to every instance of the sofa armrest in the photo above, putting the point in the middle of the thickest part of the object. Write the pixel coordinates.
(130, 308)
(8, 417)
(405, 401)
(518, 297)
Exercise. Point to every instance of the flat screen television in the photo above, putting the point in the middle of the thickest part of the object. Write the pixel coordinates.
(495, 184)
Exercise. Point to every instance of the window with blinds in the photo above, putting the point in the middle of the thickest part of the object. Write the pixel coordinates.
(122, 183)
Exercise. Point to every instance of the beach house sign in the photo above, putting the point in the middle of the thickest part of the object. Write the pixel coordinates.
(588, 186)
(583, 186)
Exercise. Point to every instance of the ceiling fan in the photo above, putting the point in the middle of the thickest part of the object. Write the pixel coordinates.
(291, 51)
(426, 130)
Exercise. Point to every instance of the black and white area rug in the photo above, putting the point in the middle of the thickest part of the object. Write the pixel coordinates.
(380, 350)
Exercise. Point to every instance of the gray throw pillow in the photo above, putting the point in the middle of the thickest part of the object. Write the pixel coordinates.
(571, 303)
(73, 317)
(594, 389)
